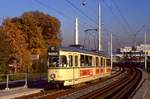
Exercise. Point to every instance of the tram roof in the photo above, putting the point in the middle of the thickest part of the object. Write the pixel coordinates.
(83, 50)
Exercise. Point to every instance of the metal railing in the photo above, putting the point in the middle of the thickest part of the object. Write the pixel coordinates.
(7, 79)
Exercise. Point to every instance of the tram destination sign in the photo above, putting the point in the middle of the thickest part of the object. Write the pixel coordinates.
(53, 53)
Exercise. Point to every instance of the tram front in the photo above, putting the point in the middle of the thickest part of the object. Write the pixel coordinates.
(53, 62)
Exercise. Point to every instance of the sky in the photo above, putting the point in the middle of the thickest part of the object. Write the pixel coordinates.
(127, 20)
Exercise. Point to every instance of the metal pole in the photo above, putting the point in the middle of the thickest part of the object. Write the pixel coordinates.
(7, 81)
(145, 51)
(26, 80)
(111, 55)
(108, 48)
(145, 63)
(99, 27)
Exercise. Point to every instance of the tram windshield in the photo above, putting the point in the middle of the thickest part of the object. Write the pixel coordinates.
(63, 61)
(53, 56)
(58, 61)
(54, 61)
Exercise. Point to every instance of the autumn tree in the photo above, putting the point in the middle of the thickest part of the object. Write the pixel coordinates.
(17, 44)
(45, 25)
(4, 53)
(31, 33)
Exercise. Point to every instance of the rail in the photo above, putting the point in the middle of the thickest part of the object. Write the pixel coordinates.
(118, 89)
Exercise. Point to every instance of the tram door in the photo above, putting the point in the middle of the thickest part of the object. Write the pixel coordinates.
(75, 67)
(73, 63)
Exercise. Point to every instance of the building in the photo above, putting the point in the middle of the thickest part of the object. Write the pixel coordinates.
(133, 53)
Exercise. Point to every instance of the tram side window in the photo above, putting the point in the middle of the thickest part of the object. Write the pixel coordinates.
(102, 62)
(90, 60)
(63, 61)
(53, 61)
(108, 62)
(82, 60)
(85, 60)
(97, 61)
(76, 60)
(70, 60)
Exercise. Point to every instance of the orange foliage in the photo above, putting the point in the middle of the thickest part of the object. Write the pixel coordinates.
(29, 34)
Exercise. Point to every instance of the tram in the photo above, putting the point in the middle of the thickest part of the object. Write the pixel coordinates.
(74, 65)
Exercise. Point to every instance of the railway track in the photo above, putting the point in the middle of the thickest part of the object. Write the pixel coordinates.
(119, 89)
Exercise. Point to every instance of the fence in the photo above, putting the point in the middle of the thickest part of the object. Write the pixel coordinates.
(9, 80)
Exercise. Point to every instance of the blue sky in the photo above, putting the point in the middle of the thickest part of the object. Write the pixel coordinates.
(124, 18)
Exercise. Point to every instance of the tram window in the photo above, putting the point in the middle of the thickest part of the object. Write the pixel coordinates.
(108, 62)
(102, 62)
(53, 61)
(90, 60)
(76, 60)
(86, 61)
(82, 60)
(70, 60)
(63, 61)
(97, 61)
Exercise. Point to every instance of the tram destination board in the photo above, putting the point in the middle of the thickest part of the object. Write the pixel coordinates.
(53, 51)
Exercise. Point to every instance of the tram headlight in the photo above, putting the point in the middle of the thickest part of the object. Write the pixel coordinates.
(52, 76)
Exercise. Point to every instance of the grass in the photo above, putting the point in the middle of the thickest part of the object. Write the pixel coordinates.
(147, 75)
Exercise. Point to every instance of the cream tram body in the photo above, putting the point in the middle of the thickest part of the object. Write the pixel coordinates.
(76, 66)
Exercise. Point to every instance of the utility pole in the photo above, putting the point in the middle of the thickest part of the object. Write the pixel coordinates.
(145, 51)
(99, 27)
(108, 49)
(111, 54)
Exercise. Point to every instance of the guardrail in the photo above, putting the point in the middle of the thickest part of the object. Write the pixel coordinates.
(6, 79)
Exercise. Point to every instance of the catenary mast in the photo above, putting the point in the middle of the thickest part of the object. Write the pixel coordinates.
(99, 27)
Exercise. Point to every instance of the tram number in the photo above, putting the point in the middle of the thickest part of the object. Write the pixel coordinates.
(86, 72)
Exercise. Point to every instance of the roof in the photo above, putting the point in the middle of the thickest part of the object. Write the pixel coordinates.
(82, 50)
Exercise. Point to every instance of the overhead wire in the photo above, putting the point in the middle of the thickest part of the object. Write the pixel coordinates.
(122, 16)
(115, 16)
(82, 24)
(63, 15)
(55, 10)
(47, 6)
(80, 11)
